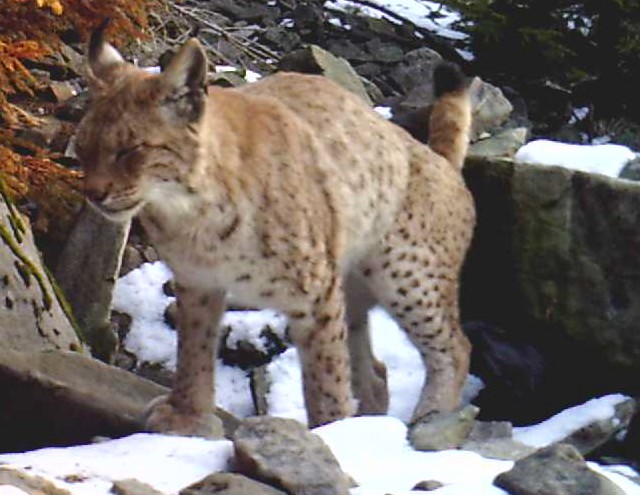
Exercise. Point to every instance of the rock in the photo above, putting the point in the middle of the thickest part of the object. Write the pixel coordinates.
(87, 271)
(493, 439)
(62, 90)
(226, 79)
(33, 312)
(229, 484)
(593, 436)
(557, 470)
(631, 170)
(170, 315)
(283, 453)
(505, 449)
(416, 69)
(441, 431)
(490, 430)
(260, 386)
(63, 398)
(42, 136)
(315, 60)
(428, 486)
(131, 259)
(81, 396)
(74, 108)
(29, 483)
(503, 144)
(245, 353)
(415, 122)
(283, 39)
(490, 108)
(560, 249)
(133, 487)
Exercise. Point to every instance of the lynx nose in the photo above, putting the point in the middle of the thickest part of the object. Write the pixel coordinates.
(96, 189)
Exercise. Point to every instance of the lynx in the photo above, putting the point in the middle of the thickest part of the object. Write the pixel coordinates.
(292, 194)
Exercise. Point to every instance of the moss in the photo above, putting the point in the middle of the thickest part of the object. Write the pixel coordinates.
(27, 268)
(64, 304)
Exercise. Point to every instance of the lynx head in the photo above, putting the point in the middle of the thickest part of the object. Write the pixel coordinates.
(140, 130)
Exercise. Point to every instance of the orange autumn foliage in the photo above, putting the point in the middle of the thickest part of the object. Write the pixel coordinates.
(30, 29)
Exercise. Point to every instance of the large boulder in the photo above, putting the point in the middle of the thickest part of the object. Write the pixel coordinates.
(64, 398)
(87, 271)
(33, 314)
(554, 264)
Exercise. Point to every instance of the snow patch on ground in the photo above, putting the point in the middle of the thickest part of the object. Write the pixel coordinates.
(605, 159)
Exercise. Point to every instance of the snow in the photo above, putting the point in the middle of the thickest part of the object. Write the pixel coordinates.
(373, 450)
(386, 112)
(167, 463)
(605, 159)
(418, 12)
(567, 421)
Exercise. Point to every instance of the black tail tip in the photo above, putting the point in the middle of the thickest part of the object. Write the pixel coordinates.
(448, 77)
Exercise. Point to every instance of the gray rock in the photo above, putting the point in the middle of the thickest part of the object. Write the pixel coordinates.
(32, 308)
(502, 144)
(560, 249)
(557, 470)
(416, 69)
(87, 271)
(133, 487)
(29, 482)
(260, 386)
(490, 108)
(283, 453)
(493, 439)
(229, 484)
(596, 434)
(631, 171)
(490, 430)
(441, 431)
(427, 485)
(506, 449)
(63, 397)
(315, 60)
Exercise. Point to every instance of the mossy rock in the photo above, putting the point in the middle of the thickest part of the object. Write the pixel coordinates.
(554, 262)
(33, 312)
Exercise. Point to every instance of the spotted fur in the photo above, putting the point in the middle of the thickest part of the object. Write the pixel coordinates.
(292, 194)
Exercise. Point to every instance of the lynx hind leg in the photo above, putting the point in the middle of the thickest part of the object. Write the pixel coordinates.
(368, 375)
(320, 335)
(419, 287)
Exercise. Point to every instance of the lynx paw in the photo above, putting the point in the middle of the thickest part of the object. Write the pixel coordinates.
(162, 417)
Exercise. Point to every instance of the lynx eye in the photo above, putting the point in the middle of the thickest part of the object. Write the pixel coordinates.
(127, 151)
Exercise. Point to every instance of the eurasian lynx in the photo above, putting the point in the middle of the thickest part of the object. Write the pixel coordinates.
(292, 194)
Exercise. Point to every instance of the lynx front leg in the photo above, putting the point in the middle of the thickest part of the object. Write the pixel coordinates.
(189, 408)
(321, 339)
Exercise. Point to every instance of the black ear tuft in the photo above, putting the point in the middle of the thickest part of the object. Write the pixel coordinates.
(448, 77)
(102, 57)
(97, 39)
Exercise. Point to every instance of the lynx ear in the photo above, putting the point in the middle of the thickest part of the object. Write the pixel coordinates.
(103, 57)
(184, 82)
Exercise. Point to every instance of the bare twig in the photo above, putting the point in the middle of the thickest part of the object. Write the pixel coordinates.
(245, 45)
